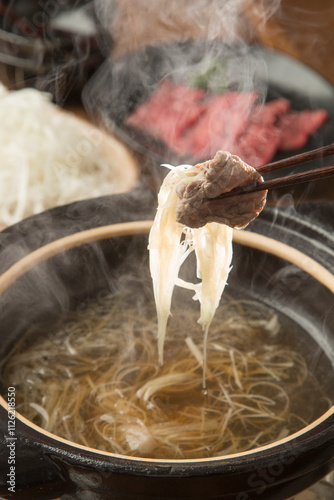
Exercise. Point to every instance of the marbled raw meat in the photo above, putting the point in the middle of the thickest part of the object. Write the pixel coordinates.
(195, 123)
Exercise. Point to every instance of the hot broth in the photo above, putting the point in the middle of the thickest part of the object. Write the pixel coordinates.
(97, 381)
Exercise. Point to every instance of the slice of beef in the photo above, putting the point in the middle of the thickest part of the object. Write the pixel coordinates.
(221, 124)
(296, 127)
(222, 174)
(168, 112)
(261, 137)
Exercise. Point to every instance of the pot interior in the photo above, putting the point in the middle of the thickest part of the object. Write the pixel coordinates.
(41, 300)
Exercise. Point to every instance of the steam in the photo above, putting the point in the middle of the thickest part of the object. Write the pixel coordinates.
(218, 25)
(146, 48)
(134, 25)
(131, 22)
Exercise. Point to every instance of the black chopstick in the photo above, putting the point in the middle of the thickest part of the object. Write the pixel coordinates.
(288, 180)
(314, 154)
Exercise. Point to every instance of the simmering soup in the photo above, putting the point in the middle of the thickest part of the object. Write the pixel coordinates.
(97, 380)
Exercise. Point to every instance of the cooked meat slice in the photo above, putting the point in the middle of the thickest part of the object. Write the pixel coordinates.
(221, 174)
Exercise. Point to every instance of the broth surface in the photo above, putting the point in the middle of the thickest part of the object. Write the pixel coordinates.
(97, 381)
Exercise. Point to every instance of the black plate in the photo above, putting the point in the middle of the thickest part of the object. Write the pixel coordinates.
(119, 87)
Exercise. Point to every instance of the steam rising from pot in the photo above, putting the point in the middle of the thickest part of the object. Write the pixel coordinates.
(134, 25)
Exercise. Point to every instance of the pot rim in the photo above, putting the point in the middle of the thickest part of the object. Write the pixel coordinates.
(246, 238)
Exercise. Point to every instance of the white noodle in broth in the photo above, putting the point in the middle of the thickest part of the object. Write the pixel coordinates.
(97, 380)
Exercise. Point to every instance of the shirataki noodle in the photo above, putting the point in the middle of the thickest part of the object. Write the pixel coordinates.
(171, 243)
(98, 382)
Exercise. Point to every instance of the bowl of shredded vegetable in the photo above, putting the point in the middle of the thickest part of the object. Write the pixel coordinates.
(98, 414)
(52, 157)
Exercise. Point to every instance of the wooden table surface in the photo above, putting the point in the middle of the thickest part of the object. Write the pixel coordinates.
(303, 29)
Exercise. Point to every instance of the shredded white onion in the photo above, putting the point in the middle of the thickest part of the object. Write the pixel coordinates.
(48, 157)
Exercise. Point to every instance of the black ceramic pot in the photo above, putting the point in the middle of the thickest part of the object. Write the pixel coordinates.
(47, 467)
